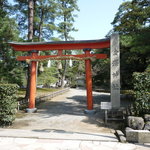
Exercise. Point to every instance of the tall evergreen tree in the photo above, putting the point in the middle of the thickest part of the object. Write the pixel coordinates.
(8, 32)
(66, 18)
(30, 19)
(133, 23)
(45, 13)
(43, 16)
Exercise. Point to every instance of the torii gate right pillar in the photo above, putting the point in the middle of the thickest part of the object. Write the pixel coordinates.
(88, 72)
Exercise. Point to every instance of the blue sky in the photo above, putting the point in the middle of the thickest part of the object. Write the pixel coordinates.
(94, 18)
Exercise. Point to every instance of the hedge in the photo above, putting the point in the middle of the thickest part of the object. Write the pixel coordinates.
(8, 103)
(142, 93)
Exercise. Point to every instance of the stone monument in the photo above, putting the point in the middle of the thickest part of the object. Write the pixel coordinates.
(115, 71)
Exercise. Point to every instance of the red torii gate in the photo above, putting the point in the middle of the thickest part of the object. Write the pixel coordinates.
(86, 45)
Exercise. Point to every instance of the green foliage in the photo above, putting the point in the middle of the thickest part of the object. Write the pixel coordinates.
(44, 16)
(101, 70)
(66, 17)
(12, 72)
(132, 23)
(8, 103)
(142, 92)
(9, 73)
(48, 76)
(74, 72)
(101, 73)
(132, 16)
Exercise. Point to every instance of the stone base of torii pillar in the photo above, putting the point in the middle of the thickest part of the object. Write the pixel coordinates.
(89, 112)
(31, 110)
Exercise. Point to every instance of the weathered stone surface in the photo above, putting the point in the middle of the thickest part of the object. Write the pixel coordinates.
(115, 71)
(144, 137)
(119, 132)
(127, 128)
(147, 117)
(120, 136)
(131, 136)
(136, 123)
(138, 136)
(147, 126)
(122, 139)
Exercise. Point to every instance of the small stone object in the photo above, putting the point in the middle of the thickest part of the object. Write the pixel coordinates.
(128, 129)
(121, 136)
(147, 126)
(119, 132)
(147, 117)
(136, 123)
(122, 139)
(140, 136)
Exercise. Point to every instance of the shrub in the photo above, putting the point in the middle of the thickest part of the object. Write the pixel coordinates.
(8, 103)
(142, 92)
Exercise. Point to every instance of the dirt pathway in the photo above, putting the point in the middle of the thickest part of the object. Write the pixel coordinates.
(65, 113)
(60, 124)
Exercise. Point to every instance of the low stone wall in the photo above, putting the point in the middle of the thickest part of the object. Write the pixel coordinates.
(51, 95)
(138, 136)
(45, 97)
(138, 130)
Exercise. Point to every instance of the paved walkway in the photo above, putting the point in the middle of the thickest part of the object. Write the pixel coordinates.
(65, 112)
(60, 124)
(9, 143)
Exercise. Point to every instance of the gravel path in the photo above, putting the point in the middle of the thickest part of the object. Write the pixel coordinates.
(60, 124)
(65, 113)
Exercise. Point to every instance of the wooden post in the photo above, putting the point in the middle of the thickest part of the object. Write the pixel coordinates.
(88, 82)
(32, 84)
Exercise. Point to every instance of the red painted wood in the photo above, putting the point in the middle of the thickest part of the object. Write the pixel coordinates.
(88, 81)
(60, 46)
(97, 56)
(60, 52)
(32, 83)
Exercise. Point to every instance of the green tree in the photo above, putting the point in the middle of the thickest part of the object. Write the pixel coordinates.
(45, 14)
(9, 73)
(133, 24)
(35, 19)
(101, 70)
(42, 14)
(48, 76)
(142, 92)
(66, 18)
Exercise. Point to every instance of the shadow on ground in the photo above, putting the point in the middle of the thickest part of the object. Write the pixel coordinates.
(72, 105)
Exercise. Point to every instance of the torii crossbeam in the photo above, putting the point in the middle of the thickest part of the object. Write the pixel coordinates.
(86, 45)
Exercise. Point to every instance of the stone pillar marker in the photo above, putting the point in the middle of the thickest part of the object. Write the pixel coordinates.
(115, 71)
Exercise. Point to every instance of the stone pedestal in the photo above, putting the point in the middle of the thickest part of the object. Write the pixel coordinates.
(31, 110)
(89, 112)
(138, 136)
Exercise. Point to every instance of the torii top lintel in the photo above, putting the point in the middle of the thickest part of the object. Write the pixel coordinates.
(61, 45)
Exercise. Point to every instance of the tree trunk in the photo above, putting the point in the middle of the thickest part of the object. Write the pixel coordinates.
(40, 26)
(63, 74)
(30, 38)
(65, 64)
(30, 19)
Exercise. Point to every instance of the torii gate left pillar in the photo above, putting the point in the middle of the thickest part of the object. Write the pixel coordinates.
(32, 95)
